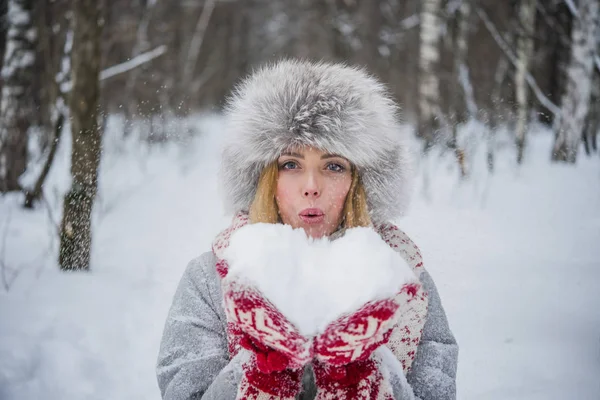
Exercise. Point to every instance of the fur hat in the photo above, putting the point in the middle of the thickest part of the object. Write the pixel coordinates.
(333, 107)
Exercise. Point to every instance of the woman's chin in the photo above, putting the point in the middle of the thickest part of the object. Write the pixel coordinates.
(314, 235)
(316, 231)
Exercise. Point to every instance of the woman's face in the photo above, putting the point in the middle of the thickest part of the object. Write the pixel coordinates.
(311, 190)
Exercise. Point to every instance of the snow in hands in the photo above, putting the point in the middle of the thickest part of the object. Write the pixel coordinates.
(315, 281)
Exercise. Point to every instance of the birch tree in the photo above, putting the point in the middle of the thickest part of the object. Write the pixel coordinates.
(76, 234)
(16, 105)
(429, 84)
(575, 100)
(527, 11)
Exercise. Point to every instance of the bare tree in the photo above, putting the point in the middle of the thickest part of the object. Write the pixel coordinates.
(313, 35)
(575, 101)
(505, 47)
(3, 30)
(553, 45)
(76, 234)
(429, 83)
(196, 41)
(495, 115)
(58, 114)
(592, 122)
(16, 106)
(371, 21)
(141, 44)
(460, 79)
(527, 12)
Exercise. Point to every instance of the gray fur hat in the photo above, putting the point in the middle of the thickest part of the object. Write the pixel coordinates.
(333, 107)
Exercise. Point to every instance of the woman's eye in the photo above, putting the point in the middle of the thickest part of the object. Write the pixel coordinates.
(288, 165)
(335, 167)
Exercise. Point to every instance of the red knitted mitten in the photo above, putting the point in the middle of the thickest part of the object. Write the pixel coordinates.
(278, 351)
(346, 367)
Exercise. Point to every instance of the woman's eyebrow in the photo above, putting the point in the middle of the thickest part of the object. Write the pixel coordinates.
(297, 155)
(324, 156)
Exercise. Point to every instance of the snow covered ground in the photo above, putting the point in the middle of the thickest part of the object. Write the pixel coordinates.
(516, 256)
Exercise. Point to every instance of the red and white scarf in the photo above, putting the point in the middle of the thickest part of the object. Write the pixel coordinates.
(405, 336)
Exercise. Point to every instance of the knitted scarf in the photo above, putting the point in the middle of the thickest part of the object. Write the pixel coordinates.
(405, 336)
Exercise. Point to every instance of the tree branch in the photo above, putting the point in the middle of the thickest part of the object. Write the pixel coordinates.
(123, 67)
(133, 63)
(197, 39)
(546, 102)
(572, 8)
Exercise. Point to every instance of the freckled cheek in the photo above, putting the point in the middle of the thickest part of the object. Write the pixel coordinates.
(338, 193)
(284, 199)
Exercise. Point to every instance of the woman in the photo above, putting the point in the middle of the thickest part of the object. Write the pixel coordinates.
(314, 146)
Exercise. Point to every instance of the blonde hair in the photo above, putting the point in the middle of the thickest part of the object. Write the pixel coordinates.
(264, 207)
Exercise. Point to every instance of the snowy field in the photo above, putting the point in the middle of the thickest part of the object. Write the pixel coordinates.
(516, 257)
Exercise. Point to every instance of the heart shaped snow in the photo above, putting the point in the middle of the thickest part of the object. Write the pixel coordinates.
(315, 281)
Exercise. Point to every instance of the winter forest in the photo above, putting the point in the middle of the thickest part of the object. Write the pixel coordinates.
(110, 122)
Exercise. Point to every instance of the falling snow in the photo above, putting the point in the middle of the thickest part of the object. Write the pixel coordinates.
(514, 256)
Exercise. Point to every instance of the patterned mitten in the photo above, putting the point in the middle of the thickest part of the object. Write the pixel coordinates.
(278, 352)
(355, 380)
(345, 365)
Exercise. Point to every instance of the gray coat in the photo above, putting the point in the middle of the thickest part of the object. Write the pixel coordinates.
(194, 363)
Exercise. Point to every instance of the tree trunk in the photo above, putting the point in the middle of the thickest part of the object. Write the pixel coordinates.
(496, 114)
(575, 100)
(196, 43)
(460, 74)
(76, 235)
(371, 21)
(527, 11)
(238, 42)
(33, 195)
(429, 84)
(3, 31)
(557, 41)
(16, 105)
(141, 45)
(592, 121)
(59, 113)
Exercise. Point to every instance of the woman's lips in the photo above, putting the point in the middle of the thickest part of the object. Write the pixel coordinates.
(312, 215)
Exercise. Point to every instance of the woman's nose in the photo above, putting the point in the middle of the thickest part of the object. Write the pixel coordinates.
(311, 187)
(311, 193)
